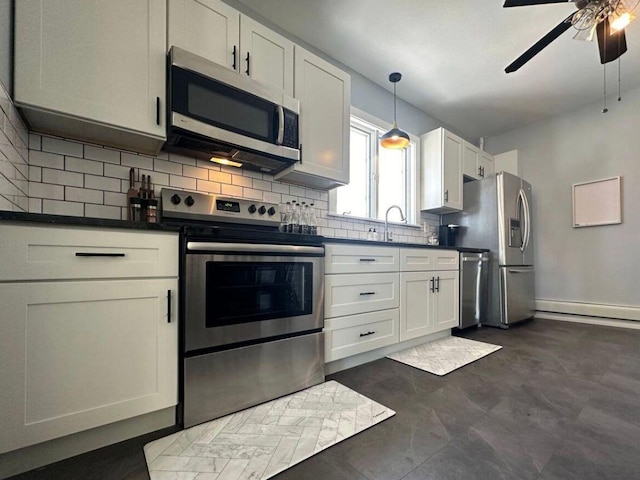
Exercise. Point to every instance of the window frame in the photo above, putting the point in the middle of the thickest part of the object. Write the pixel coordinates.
(369, 124)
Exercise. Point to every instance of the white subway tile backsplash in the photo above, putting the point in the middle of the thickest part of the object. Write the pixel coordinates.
(297, 191)
(83, 195)
(35, 142)
(73, 164)
(208, 187)
(116, 171)
(103, 211)
(219, 177)
(102, 183)
(195, 172)
(115, 199)
(166, 167)
(137, 161)
(262, 185)
(231, 190)
(46, 190)
(44, 159)
(60, 177)
(246, 173)
(207, 164)
(251, 194)
(55, 207)
(280, 188)
(176, 157)
(272, 197)
(63, 147)
(101, 154)
(241, 181)
(182, 182)
(35, 205)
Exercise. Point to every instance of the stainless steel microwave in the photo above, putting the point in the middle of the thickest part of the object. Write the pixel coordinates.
(220, 115)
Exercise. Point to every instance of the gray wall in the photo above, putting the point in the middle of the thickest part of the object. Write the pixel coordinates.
(593, 264)
(6, 44)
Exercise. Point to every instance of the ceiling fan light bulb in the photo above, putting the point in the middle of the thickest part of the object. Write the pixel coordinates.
(621, 21)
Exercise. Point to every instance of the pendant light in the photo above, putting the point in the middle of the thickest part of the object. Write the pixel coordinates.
(395, 138)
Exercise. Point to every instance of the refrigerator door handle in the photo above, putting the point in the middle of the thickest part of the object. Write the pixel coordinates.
(527, 221)
(524, 224)
(519, 270)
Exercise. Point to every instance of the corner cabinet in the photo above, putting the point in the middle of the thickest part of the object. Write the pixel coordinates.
(218, 32)
(324, 92)
(476, 163)
(429, 291)
(87, 339)
(442, 154)
(93, 70)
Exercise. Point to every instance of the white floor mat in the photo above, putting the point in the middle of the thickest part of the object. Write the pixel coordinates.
(263, 441)
(444, 356)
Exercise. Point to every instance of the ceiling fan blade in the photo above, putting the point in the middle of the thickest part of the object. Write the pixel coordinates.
(540, 44)
(610, 46)
(524, 3)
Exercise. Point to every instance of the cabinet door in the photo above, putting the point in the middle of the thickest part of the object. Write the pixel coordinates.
(324, 92)
(452, 171)
(485, 164)
(266, 56)
(94, 60)
(415, 304)
(360, 293)
(209, 28)
(470, 163)
(77, 355)
(446, 301)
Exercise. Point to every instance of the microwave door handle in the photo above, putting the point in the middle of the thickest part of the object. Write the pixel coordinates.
(280, 125)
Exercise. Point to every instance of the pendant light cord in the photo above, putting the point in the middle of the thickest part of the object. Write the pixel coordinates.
(394, 104)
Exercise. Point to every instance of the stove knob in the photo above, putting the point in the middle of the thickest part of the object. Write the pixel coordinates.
(271, 211)
(175, 199)
(262, 210)
(189, 201)
(252, 209)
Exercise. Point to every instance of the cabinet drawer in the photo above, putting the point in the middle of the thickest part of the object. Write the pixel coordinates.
(346, 336)
(50, 253)
(360, 293)
(340, 258)
(423, 259)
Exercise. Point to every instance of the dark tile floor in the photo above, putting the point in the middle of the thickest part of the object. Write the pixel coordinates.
(559, 401)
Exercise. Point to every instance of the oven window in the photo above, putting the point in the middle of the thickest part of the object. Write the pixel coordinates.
(241, 292)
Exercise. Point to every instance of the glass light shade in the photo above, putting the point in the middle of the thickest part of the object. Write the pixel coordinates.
(395, 138)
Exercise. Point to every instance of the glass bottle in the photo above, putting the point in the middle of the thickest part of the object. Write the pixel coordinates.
(313, 221)
(285, 216)
(304, 219)
(295, 217)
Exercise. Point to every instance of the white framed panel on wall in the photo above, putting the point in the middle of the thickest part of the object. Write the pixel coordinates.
(597, 202)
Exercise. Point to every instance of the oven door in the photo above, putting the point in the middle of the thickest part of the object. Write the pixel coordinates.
(237, 293)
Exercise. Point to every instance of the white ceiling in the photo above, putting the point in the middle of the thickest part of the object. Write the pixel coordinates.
(452, 55)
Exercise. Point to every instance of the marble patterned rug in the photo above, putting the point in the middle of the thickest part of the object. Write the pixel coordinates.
(444, 356)
(260, 442)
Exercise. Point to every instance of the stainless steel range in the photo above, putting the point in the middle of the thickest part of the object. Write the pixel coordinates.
(251, 304)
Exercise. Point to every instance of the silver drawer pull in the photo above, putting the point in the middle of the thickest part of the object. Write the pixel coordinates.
(367, 259)
(367, 334)
(96, 254)
(362, 294)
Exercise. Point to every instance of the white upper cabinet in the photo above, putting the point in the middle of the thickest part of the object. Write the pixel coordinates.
(208, 28)
(266, 56)
(476, 163)
(442, 154)
(217, 32)
(324, 92)
(97, 62)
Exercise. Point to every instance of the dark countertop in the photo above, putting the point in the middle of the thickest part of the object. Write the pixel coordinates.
(356, 241)
(8, 216)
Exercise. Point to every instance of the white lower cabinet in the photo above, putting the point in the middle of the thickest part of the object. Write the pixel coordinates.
(90, 340)
(446, 303)
(415, 304)
(77, 355)
(346, 336)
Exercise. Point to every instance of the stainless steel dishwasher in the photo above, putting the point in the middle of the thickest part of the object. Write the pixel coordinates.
(474, 274)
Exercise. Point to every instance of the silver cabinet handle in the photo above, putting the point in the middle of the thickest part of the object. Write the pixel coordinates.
(367, 334)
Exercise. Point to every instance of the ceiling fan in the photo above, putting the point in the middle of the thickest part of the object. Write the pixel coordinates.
(605, 18)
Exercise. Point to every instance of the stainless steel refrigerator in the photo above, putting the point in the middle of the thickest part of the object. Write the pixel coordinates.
(497, 216)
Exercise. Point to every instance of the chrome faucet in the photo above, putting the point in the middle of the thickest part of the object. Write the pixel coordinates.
(387, 234)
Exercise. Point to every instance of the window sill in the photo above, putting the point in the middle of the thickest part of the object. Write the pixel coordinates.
(336, 216)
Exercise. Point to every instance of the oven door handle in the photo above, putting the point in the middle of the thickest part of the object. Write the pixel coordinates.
(256, 249)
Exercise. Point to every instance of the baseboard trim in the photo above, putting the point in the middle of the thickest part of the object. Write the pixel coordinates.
(366, 357)
(617, 312)
(605, 322)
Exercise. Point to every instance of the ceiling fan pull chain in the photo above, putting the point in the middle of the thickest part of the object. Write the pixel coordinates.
(619, 95)
(604, 95)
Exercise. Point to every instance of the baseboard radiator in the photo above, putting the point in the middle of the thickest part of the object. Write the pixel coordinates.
(592, 313)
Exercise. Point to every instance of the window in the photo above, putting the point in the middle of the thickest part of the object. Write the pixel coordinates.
(379, 177)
